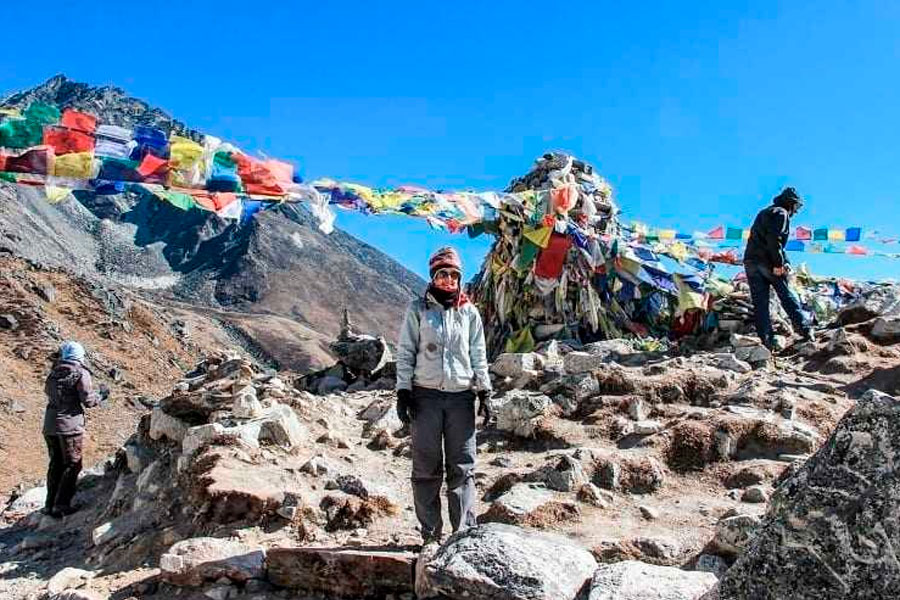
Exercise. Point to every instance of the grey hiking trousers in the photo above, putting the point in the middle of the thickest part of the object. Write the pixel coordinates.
(443, 437)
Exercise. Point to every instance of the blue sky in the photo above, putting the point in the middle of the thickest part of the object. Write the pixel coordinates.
(696, 112)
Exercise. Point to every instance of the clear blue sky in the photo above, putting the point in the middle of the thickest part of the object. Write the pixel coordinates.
(697, 112)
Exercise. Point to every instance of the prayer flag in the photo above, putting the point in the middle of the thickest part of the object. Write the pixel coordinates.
(717, 234)
(734, 233)
(820, 234)
(803, 233)
(836, 235)
(795, 246)
(853, 234)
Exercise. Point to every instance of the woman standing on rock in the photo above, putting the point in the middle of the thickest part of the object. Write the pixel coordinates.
(441, 368)
(69, 391)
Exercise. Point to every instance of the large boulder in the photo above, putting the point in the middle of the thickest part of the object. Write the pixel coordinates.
(634, 580)
(164, 425)
(502, 562)
(193, 561)
(833, 527)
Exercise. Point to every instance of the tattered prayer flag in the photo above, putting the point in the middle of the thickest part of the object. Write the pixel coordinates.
(836, 235)
(803, 233)
(833, 249)
(857, 250)
(815, 248)
(820, 234)
(56, 194)
(734, 233)
(540, 237)
(717, 234)
(795, 246)
(853, 234)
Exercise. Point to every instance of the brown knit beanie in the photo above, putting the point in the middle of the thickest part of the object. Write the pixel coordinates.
(444, 258)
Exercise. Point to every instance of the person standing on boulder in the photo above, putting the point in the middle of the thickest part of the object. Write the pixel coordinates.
(767, 266)
(69, 391)
(441, 369)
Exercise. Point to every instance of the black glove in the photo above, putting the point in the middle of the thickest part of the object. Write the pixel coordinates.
(484, 408)
(406, 409)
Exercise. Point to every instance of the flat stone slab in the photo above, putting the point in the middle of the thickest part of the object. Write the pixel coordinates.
(356, 574)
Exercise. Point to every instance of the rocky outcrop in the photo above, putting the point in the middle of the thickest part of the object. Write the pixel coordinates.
(833, 527)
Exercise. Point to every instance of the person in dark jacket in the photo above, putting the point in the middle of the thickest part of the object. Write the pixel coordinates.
(69, 391)
(768, 267)
(441, 369)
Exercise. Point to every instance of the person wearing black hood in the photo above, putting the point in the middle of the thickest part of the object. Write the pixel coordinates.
(768, 267)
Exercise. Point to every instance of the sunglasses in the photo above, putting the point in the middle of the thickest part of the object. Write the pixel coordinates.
(447, 274)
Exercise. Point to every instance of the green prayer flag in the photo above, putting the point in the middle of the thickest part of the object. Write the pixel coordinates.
(734, 233)
(821, 234)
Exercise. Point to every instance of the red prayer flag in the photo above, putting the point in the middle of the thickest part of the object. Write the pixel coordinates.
(803, 233)
(79, 120)
(550, 261)
(67, 141)
(717, 234)
(858, 250)
(151, 164)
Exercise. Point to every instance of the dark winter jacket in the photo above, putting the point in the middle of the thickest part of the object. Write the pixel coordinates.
(69, 391)
(769, 235)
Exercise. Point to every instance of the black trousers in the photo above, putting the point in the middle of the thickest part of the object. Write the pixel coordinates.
(65, 465)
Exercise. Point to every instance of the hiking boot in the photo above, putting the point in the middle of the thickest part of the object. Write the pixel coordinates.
(431, 538)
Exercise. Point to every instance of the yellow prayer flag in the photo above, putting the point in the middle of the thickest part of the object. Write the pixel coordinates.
(745, 234)
(836, 235)
(540, 236)
(78, 165)
(183, 152)
(667, 234)
(56, 194)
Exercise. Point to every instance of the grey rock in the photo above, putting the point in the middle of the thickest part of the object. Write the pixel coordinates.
(710, 563)
(564, 475)
(886, 329)
(832, 527)
(330, 384)
(502, 562)
(520, 412)
(731, 362)
(647, 427)
(281, 427)
(46, 292)
(28, 502)
(634, 580)
(734, 533)
(68, 577)
(163, 425)
(659, 549)
(637, 408)
(8, 321)
(516, 364)
(591, 494)
(648, 513)
(195, 560)
(530, 504)
(576, 363)
(755, 494)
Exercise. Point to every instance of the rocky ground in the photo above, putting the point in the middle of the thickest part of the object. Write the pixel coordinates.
(236, 484)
